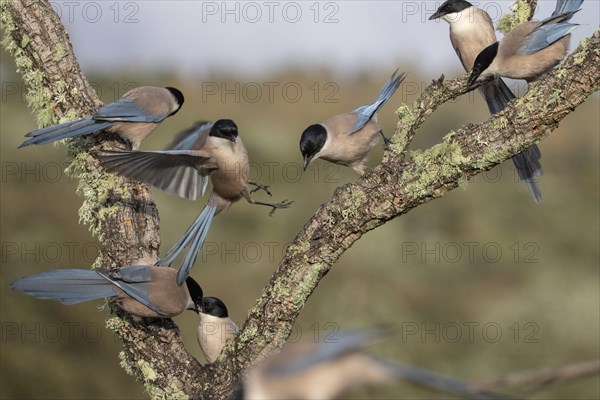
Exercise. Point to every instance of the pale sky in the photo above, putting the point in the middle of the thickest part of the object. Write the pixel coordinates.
(263, 36)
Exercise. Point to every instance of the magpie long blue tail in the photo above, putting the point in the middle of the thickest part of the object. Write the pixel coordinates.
(497, 96)
(194, 237)
(566, 6)
(366, 112)
(70, 286)
(64, 131)
(529, 170)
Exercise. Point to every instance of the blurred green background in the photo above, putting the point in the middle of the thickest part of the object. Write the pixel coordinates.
(477, 284)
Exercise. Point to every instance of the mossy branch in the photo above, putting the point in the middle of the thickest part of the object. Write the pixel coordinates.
(412, 116)
(125, 218)
(397, 186)
(120, 213)
(521, 11)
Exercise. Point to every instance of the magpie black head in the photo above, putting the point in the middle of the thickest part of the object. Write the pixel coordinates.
(195, 292)
(312, 141)
(178, 97)
(225, 129)
(482, 62)
(214, 306)
(450, 7)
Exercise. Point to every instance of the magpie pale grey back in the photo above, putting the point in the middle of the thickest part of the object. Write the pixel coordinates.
(530, 49)
(346, 139)
(141, 290)
(471, 31)
(134, 116)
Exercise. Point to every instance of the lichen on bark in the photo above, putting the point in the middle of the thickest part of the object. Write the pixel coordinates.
(113, 208)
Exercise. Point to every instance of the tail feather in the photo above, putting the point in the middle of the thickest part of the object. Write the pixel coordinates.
(529, 169)
(178, 247)
(195, 247)
(566, 6)
(194, 236)
(366, 112)
(64, 126)
(437, 381)
(64, 131)
(497, 96)
(70, 286)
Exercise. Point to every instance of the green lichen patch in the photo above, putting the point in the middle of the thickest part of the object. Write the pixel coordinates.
(39, 96)
(24, 41)
(170, 392)
(330, 220)
(248, 334)
(59, 52)
(308, 284)
(148, 374)
(352, 202)
(491, 155)
(281, 287)
(499, 123)
(300, 247)
(505, 23)
(124, 363)
(442, 160)
(554, 98)
(521, 12)
(96, 189)
(582, 52)
(147, 370)
(406, 117)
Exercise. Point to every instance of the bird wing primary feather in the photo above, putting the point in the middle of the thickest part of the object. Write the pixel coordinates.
(132, 273)
(187, 139)
(137, 288)
(366, 112)
(179, 172)
(545, 35)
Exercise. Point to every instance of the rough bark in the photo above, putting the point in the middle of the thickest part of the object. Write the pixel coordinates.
(124, 217)
(397, 186)
(522, 11)
(121, 213)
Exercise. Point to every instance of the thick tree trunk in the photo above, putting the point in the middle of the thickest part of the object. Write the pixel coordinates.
(124, 216)
(121, 213)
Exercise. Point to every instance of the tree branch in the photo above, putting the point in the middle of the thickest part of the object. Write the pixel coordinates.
(522, 11)
(121, 213)
(125, 218)
(396, 187)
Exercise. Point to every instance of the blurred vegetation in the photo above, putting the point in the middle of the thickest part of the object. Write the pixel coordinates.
(477, 284)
